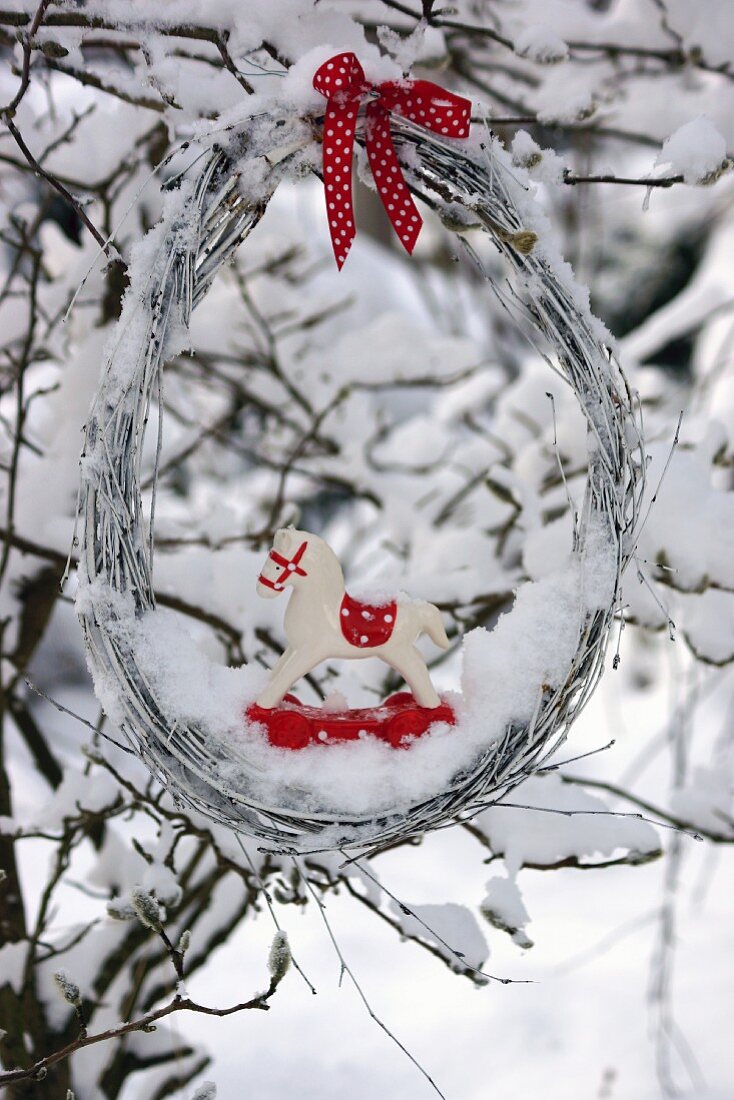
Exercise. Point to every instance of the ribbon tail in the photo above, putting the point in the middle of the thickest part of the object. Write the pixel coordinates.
(340, 123)
(389, 179)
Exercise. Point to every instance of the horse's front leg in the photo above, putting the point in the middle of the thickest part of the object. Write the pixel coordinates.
(274, 671)
(291, 667)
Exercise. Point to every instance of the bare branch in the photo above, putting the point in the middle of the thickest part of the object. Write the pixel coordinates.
(648, 807)
(145, 1023)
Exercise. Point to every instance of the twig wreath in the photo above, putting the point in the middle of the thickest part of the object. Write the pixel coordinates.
(209, 210)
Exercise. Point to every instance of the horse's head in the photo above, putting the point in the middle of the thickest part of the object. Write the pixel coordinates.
(286, 564)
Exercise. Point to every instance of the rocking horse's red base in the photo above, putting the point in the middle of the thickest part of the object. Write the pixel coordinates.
(397, 721)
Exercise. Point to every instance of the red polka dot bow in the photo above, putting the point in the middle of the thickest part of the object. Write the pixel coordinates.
(342, 81)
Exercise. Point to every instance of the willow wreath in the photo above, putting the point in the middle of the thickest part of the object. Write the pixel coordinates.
(209, 210)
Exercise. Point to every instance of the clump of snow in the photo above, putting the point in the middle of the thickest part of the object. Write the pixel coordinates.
(539, 43)
(75, 795)
(704, 29)
(207, 1090)
(423, 45)
(696, 151)
(706, 801)
(415, 444)
(550, 833)
(686, 491)
(530, 647)
(568, 107)
(504, 908)
(377, 353)
(334, 703)
(185, 681)
(566, 95)
(376, 596)
(448, 924)
(161, 881)
(526, 153)
(121, 908)
(547, 548)
(708, 624)
(543, 165)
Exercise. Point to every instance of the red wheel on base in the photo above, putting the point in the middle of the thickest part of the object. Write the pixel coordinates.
(289, 730)
(407, 724)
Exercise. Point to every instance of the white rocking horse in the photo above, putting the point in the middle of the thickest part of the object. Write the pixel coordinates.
(322, 621)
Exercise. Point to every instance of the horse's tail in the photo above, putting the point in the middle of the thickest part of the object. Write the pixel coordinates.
(432, 625)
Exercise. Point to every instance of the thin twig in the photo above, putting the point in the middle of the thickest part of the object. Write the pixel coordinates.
(345, 969)
(625, 181)
(109, 250)
(460, 958)
(674, 822)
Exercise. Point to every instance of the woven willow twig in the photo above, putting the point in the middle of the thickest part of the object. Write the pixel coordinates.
(205, 220)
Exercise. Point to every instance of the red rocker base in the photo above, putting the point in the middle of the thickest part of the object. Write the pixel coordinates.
(397, 721)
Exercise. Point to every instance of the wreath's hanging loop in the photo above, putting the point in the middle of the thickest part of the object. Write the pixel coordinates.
(342, 81)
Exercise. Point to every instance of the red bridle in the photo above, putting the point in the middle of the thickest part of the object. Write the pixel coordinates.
(288, 565)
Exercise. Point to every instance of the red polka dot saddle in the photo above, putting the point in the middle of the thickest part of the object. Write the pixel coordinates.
(366, 625)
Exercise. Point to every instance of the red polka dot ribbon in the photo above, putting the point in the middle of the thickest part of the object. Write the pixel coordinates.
(342, 81)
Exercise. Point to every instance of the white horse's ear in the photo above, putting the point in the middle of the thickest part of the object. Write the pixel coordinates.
(280, 538)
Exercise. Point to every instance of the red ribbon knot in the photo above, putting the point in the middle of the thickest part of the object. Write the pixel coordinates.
(343, 83)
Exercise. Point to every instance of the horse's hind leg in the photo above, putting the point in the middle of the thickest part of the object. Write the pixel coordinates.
(411, 666)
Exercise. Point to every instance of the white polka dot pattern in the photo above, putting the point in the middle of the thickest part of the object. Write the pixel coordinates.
(342, 81)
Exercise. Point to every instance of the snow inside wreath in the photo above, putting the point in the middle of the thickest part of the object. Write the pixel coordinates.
(221, 739)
